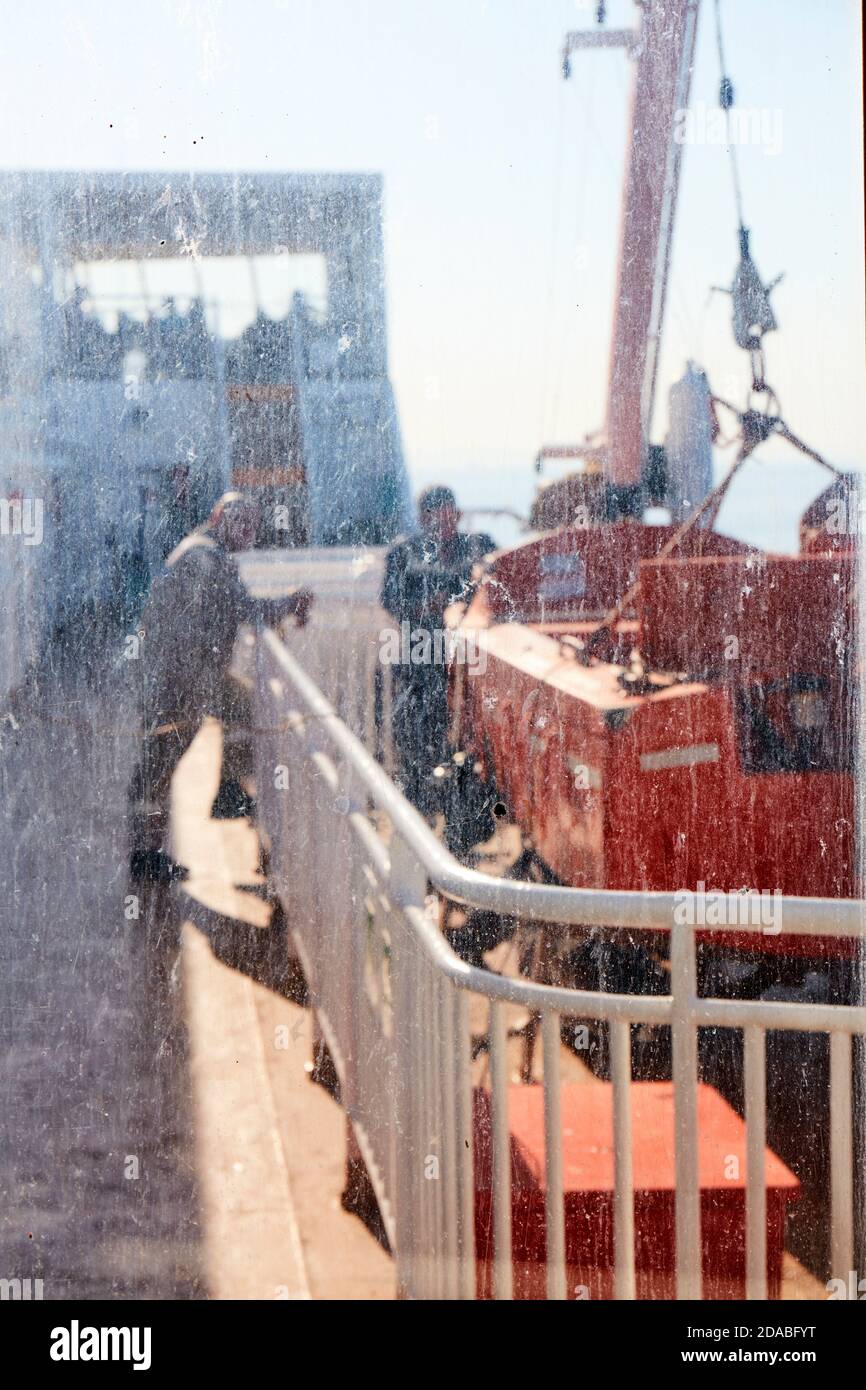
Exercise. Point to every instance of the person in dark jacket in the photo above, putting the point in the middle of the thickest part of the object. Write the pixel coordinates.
(190, 624)
(181, 508)
(424, 574)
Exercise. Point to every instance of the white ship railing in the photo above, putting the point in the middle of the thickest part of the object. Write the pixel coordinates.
(392, 1003)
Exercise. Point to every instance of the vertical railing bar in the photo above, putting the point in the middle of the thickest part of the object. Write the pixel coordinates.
(503, 1281)
(423, 1043)
(450, 1151)
(389, 1126)
(347, 681)
(372, 664)
(430, 1127)
(755, 1084)
(554, 1202)
(350, 881)
(410, 1028)
(414, 1157)
(623, 1200)
(401, 993)
(434, 1111)
(841, 1158)
(387, 719)
(358, 679)
(445, 1129)
(685, 1075)
(437, 1112)
(419, 1147)
(465, 1152)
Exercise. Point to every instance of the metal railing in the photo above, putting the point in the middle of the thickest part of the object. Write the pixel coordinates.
(340, 646)
(392, 1001)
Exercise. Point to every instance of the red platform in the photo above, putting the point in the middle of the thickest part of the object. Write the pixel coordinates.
(588, 1177)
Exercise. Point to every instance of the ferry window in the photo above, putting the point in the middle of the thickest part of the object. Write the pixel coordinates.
(433, 661)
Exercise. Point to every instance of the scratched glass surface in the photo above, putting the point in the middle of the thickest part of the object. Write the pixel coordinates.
(493, 373)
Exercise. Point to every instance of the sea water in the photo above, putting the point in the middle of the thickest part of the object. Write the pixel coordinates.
(763, 506)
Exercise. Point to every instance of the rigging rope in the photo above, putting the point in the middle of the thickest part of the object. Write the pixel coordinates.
(753, 313)
(726, 101)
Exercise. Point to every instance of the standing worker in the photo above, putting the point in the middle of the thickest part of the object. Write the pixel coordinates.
(190, 624)
(181, 510)
(424, 574)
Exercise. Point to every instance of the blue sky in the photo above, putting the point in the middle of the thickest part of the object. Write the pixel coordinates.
(502, 187)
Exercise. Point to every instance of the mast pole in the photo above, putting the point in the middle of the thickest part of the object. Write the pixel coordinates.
(664, 53)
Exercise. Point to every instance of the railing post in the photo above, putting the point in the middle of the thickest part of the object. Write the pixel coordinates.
(554, 1202)
(503, 1277)
(623, 1200)
(685, 1074)
(841, 1158)
(755, 1086)
(408, 885)
(465, 1151)
(450, 1151)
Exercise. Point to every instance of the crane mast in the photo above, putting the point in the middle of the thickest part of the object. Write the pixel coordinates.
(663, 50)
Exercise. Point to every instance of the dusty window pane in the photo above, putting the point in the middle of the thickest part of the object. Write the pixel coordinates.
(431, 455)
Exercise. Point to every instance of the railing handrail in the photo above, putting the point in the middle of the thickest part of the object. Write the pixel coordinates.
(549, 903)
(393, 1001)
